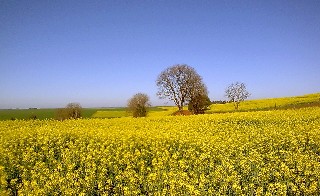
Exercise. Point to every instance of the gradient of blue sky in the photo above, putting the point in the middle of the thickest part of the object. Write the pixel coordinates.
(100, 53)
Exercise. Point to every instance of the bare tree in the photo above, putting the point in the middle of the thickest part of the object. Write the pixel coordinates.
(236, 93)
(138, 105)
(180, 83)
(71, 111)
(74, 110)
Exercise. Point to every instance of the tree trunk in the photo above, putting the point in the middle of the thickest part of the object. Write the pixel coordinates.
(237, 105)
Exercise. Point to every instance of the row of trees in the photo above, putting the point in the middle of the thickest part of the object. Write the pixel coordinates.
(178, 83)
(184, 86)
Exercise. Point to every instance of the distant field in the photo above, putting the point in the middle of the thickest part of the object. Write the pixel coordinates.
(42, 114)
(8, 114)
(26, 113)
(312, 100)
(109, 114)
(121, 112)
(166, 111)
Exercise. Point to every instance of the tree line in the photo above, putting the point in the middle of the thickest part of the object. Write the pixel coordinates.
(178, 83)
(184, 86)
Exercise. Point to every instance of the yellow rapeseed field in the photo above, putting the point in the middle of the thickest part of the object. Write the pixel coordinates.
(247, 153)
(268, 104)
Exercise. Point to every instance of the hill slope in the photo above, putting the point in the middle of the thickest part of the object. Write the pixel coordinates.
(309, 100)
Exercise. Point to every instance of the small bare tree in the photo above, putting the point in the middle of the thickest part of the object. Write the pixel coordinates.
(180, 83)
(236, 93)
(74, 110)
(138, 105)
(71, 111)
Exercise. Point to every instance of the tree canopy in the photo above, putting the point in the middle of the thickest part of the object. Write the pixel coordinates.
(198, 104)
(180, 83)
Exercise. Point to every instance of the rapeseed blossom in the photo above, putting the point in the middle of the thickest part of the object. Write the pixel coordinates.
(247, 153)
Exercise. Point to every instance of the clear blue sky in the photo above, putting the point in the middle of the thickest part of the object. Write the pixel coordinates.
(100, 53)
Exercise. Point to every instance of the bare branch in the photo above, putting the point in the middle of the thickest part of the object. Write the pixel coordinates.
(179, 83)
(236, 93)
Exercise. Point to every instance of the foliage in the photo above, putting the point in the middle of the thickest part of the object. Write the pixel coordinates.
(180, 83)
(138, 105)
(198, 104)
(71, 111)
(236, 93)
(249, 153)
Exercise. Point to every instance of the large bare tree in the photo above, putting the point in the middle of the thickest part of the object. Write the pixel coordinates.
(236, 93)
(180, 83)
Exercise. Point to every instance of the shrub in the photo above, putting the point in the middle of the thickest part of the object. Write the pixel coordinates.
(199, 104)
(71, 111)
(138, 105)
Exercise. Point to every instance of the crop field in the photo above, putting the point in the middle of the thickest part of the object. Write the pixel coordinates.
(9, 114)
(310, 100)
(251, 105)
(49, 113)
(122, 112)
(251, 153)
